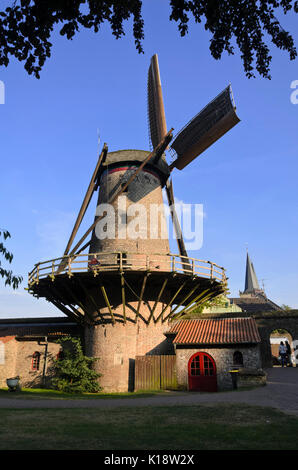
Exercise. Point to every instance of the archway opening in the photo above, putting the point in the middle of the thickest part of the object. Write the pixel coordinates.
(282, 348)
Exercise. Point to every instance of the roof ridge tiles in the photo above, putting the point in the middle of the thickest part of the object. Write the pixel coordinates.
(216, 331)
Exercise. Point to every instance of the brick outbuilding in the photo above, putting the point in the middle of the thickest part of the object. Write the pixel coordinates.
(208, 349)
(28, 346)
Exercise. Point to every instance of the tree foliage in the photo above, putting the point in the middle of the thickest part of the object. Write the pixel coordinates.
(73, 370)
(285, 307)
(27, 25)
(10, 278)
(219, 301)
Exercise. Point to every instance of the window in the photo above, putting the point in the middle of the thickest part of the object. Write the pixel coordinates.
(208, 366)
(124, 258)
(60, 355)
(237, 358)
(35, 361)
(201, 365)
(195, 366)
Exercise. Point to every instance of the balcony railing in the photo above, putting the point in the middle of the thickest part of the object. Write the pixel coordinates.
(118, 261)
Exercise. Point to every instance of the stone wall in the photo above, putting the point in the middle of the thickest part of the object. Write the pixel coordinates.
(223, 357)
(251, 378)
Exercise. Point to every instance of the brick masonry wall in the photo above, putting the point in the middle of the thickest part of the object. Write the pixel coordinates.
(17, 360)
(152, 233)
(223, 358)
(8, 347)
(117, 346)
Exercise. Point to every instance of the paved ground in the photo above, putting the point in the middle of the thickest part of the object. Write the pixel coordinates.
(280, 392)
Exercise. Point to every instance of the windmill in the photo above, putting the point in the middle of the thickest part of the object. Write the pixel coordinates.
(125, 289)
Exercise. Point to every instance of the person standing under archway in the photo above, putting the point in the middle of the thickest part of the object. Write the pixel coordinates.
(283, 353)
(289, 354)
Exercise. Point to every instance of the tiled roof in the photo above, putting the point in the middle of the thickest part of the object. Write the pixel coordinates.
(252, 304)
(37, 327)
(216, 331)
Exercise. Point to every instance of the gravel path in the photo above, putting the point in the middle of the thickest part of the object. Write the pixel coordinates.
(281, 392)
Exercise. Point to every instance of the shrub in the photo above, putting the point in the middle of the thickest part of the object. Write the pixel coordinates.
(73, 370)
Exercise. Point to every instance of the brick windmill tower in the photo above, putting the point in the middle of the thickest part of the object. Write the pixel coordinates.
(120, 281)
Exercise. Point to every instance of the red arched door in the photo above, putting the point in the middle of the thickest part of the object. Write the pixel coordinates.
(202, 373)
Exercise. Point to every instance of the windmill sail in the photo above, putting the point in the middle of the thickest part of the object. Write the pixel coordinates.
(156, 113)
(217, 118)
(158, 129)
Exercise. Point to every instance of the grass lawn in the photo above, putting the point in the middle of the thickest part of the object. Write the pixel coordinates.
(40, 393)
(207, 427)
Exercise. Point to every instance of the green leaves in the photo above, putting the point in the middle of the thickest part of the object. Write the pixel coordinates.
(25, 29)
(5, 234)
(10, 278)
(242, 22)
(73, 370)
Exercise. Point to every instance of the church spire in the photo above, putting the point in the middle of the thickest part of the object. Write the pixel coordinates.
(251, 281)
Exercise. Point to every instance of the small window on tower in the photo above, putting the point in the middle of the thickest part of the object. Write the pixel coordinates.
(35, 361)
(124, 258)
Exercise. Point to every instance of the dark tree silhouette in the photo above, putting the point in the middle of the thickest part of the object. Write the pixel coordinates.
(26, 26)
(10, 278)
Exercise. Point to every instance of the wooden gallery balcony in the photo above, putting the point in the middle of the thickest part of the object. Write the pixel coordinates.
(181, 283)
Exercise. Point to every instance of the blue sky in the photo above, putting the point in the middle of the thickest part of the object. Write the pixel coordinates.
(247, 181)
